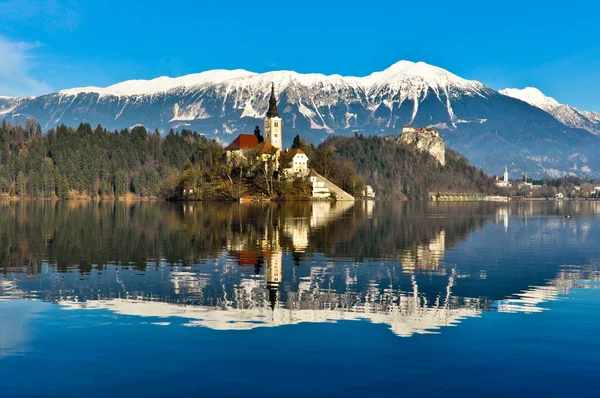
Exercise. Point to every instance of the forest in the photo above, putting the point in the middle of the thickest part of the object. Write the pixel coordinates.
(397, 171)
(86, 162)
(83, 162)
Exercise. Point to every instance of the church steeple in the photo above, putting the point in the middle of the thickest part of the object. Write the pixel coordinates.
(272, 112)
(272, 120)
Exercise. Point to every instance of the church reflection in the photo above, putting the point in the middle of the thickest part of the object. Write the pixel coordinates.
(264, 265)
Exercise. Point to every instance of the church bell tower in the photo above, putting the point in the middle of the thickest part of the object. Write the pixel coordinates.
(273, 122)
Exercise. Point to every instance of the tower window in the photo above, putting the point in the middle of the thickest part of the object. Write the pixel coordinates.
(276, 124)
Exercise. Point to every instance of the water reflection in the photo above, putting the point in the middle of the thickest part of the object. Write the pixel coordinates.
(415, 267)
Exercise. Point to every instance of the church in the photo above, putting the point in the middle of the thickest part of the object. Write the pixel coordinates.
(504, 183)
(272, 143)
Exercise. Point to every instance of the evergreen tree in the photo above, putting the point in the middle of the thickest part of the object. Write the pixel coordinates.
(91, 162)
(297, 143)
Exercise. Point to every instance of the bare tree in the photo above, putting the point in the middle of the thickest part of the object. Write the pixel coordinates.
(31, 127)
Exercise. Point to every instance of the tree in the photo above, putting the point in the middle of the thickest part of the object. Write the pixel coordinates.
(587, 189)
(21, 185)
(297, 144)
(259, 137)
(31, 127)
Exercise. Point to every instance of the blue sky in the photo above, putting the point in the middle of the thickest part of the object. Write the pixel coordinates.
(47, 45)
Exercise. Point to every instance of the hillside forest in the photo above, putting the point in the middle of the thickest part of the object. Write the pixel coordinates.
(86, 162)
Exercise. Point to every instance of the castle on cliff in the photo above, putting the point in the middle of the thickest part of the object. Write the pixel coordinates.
(425, 140)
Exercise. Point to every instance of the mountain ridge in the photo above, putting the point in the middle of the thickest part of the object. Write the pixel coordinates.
(564, 113)
(164, 84)
(490, 128)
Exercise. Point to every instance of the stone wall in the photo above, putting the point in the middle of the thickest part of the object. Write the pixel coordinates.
(323, 188)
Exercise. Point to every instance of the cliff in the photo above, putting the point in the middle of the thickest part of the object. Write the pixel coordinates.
(425, 140)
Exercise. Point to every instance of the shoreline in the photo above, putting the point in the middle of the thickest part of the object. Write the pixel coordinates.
(284, 200)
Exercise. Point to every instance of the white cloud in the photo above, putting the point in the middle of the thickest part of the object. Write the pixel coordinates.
(16, 62)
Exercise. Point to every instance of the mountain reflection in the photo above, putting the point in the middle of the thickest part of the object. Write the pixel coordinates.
(233, 266)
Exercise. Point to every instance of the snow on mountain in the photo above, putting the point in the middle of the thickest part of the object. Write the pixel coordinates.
(533, 132)
(420, 74)
(405, 82)
(316, 97)
(161, 84)
(532, 96)
(594, 117)
(9, 104)
(566, 114)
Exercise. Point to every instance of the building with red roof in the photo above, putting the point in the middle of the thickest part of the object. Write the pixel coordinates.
(270, 148)
(243, 141)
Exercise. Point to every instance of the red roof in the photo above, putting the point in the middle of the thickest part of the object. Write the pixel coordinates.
(266, 148)
(246, 257)
(294, 152)
(243, 141)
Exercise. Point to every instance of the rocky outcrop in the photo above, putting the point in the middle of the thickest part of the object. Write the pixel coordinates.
(425, 140)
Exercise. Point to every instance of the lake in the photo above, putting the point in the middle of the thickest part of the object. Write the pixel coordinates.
(299, 299)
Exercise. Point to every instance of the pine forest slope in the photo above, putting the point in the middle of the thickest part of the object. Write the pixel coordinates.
(396, 170)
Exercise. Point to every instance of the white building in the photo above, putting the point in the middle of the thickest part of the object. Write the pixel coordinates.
(368, 192)
(298, 162)
(323, 188)
(270, 147)
(320, 189)
(505, 183)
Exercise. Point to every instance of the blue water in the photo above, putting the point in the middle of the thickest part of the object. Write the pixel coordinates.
(386, 302)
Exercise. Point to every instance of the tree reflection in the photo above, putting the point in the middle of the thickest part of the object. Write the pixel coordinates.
(281, 262)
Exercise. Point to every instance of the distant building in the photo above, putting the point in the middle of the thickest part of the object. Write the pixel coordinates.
(560, 196)
(368, 192)
(410, 129)
(505, 183)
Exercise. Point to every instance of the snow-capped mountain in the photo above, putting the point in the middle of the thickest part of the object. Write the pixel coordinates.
(9, 104)
(566, 114)
(490, 128)
(221, 93)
